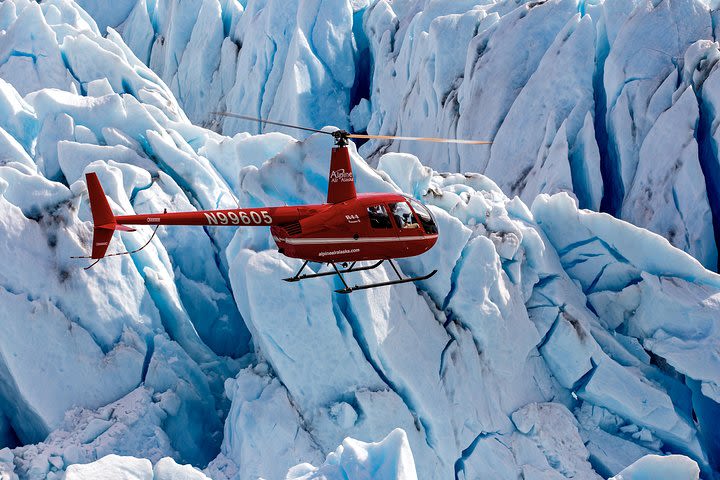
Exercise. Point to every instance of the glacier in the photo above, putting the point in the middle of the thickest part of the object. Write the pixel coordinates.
(462, 69)
(554, 341)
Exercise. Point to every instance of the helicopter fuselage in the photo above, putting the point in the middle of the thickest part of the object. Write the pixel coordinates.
(374, 226)
(349, 228)
(371, 226)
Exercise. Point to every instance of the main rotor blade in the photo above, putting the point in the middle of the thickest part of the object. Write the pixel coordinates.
(421, 139)
(344, 134)
(260, 120)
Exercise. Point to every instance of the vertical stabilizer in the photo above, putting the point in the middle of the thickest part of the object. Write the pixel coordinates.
(341, 183)
(103, 218)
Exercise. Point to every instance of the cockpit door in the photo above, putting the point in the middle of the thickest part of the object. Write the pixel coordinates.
(406, 223)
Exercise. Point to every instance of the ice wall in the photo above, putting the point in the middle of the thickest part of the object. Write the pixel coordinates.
(583, 97)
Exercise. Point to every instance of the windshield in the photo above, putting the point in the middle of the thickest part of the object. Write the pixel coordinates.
(426, 218)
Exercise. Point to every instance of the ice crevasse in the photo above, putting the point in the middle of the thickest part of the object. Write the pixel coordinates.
(552, 343)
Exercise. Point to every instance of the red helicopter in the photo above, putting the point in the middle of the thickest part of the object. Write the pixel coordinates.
(348, 229)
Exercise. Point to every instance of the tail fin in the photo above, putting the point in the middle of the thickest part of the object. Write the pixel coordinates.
(103, 218)
(341, 183)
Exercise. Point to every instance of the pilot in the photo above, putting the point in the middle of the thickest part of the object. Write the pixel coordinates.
(409, 221)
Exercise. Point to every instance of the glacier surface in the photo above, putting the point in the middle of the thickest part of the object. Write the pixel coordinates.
(554, 342)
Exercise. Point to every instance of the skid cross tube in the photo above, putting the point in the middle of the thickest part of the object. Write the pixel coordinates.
(297, 277)
(400, 280)
(352, 268)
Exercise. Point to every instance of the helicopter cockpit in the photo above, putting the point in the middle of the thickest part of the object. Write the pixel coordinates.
(408, 215)
(426, 218)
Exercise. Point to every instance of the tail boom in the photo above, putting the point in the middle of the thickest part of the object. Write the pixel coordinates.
(243, 217)
(105, 222)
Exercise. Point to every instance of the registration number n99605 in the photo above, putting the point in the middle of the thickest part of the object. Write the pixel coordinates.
(235, 217)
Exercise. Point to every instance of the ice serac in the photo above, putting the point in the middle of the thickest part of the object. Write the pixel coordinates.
(301, 71)
(390, 459)
(30, 57)
(675, 467)
(294, 62)
(520, 149)
(665, 196)
(67, 136)
(334, 388)
(112, 326)
(538, 449)
(619, 267)
(452, 384)
(250, 449)
(189, 45)
(436, 68)
(93, 377)
(422, 52)
(513, 360)
(131, 319)
(641, 56)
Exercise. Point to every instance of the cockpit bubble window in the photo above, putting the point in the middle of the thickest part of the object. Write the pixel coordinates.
(403, 215)
(379, 217)
(426, 218)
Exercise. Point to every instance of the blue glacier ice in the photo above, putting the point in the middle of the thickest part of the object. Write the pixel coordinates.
(554, 342)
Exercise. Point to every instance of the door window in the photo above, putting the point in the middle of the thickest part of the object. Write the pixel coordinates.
(379, 217)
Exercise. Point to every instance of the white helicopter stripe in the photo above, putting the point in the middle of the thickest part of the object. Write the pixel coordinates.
(330, 241)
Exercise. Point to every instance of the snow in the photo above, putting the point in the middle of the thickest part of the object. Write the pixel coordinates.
(131, 426)
(389, 458)
(112, 467)
(168, 469)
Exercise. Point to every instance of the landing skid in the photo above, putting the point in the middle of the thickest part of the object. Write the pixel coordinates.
(352, 268)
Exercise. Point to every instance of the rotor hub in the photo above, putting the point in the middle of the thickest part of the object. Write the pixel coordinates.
(341, 138)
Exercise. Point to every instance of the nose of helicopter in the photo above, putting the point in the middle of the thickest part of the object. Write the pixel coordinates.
(431, 240)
